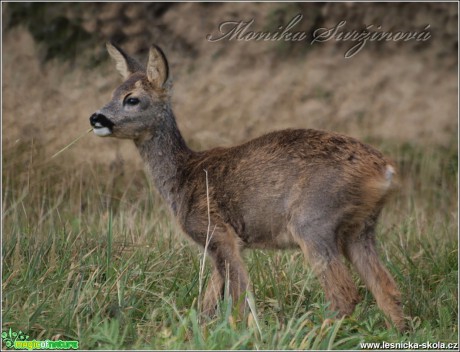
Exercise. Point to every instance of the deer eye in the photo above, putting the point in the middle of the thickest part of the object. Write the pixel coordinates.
(131, 101)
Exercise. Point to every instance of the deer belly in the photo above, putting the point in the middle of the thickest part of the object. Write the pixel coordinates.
(269, 233)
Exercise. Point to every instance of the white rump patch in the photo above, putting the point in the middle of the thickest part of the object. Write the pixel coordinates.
(390, 171)
(102, 131)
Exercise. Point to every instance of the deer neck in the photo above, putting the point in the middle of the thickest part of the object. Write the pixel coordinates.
(165, 154)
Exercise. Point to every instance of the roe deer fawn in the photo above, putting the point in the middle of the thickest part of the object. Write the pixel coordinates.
(316, 190)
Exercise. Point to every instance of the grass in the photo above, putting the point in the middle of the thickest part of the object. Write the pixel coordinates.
(91, 254)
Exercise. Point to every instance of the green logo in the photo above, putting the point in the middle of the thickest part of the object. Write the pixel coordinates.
(20, 341)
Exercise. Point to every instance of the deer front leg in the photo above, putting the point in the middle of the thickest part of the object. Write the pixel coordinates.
(228, 269)
(213, 293)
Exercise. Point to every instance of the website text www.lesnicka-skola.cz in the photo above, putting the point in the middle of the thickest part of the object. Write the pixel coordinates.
(409, 345)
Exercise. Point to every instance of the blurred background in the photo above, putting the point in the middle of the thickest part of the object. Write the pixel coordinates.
(56, 72)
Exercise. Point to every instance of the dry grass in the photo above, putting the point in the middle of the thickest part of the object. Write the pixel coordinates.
(90, 253)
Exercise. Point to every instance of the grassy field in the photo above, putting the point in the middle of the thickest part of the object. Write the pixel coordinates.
(90, 253)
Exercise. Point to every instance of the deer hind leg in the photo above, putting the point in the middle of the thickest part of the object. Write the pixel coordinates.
(228, 267)
(363, 255)
(320, 249)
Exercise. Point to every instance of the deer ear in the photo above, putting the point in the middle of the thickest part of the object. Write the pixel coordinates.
(157, 67)
(125, 65)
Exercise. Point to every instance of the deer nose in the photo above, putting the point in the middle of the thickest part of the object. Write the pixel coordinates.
(98, 120)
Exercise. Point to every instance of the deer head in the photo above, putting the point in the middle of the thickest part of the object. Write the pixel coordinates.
(139, 104)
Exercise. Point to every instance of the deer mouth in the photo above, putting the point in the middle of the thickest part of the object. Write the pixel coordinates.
(102, 126)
